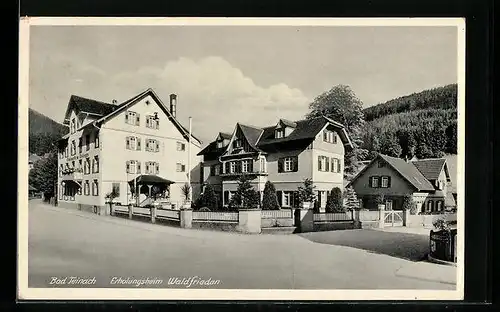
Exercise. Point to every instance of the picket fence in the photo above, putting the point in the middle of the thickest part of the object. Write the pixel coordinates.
(215, 216)
(332, 217)
(277, 214)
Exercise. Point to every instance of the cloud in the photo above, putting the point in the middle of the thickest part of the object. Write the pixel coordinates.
(217, 94)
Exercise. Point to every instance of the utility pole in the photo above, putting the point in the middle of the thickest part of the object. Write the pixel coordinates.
(189, 160)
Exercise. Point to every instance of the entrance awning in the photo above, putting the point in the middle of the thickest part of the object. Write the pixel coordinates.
(146, 179)
(71, 182)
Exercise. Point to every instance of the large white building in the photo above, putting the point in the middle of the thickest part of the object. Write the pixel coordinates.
(111, 144)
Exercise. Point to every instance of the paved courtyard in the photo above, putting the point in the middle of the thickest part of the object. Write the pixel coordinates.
(72, 243)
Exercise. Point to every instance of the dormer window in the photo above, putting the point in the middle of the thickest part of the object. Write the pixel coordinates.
(220, 143)
(330, 136)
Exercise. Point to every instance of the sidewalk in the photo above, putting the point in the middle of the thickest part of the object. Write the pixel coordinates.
(427, 271)
(404, 229)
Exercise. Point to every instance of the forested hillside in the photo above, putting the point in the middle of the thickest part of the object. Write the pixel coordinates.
(422, 124)
(43, 131)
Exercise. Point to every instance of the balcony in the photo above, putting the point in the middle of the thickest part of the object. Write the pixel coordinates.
(72, 174)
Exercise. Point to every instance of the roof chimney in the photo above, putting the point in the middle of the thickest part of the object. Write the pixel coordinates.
(173, 104)
(114, 101)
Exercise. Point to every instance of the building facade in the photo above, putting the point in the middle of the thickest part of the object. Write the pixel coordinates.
(285, 154)
(109, 145)
(426, 180)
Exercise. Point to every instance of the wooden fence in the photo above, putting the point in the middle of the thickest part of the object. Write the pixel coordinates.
(215, 216)
(333, 217)
(169, 214)
(277, 214)
(120, 209)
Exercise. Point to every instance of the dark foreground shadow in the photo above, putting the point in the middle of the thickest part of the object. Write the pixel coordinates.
(407, 246)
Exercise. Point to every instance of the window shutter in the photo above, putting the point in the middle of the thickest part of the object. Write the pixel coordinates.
(339, 166)
(157, 165)
(238, 166)
(279, 195)
(226, 165)
(127, 139)
(128, 166)
(370, 182)
(157, 146)
(157, 124)
(388, 181)
(138, 143)
(295, 164)
(138, 166)
(226, 197)
(126, 117)
(250, 167)
(148, 121)
(212, 170)
(183, 168)
(280, 165)
(327, 164)
(319, 163)
(137, 120)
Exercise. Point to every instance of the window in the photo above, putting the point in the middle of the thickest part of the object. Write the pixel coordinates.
(329, 136)
(96, 140)
(216, 170)
(80, 164)
(280, 133)
(133, 143)
(87, 166)
(87, 141)
(73, 147)
(381, 164)
(220, 144)
(263, 165)
(336, 165)
(439, 205)
(133, 166)
(245, 166)
(323, 163)
(95, 165)
(73, 125)
(152, 145)
(86, 188)
(384, 182)
(180, 167)
(287, 196)
(80, 145)
(152, 122)
(288, 164)
(181, 146)
(132, 118)
(95, 188)
(237, 143)
(430, 206)
(116, 188)
(232, 167)
(152, 167)
(374, 182)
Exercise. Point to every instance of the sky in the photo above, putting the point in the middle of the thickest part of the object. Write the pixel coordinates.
(228, 74)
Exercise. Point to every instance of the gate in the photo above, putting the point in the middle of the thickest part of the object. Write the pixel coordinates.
(393, 218)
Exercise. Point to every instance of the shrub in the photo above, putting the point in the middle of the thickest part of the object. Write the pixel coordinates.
(204, 209)
(306, 192)
(334, 202)
(186, 191)
(270, 200)
(245, 196)
(208, 198)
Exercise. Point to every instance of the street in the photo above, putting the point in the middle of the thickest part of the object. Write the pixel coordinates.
(69, 243)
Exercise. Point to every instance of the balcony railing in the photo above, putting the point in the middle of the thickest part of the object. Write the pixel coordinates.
(72, 174)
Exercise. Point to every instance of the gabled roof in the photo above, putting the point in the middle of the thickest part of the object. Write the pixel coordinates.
(405, 169)
(288, 123)
(261, 139)
(430, 168)
(225, 136)
(107, 111)
(85, 105)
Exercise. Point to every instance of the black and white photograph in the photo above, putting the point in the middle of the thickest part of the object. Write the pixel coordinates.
(231, 158)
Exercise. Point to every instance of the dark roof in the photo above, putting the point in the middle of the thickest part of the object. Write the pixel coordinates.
(288, 123)
(226, 136)
(305, 129)
(82, 104)
(145, 178)
(252, 135)
(263, 138)
(430, 168)
(212, 150)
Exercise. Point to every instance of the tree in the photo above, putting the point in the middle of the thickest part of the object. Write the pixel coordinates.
(352, 201)
(341, 104)
(43, 176)
(407, 143)
(390, 145)
(334, 202)
(270, 200)
(409, 204)
(186, 191)
(451, 138)
(245, 195)
(306, 192)
(208, 198)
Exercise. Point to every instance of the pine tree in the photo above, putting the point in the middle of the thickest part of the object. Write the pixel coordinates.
(352, 201)
(334, 202)
(208, 198)
(245, 196)
(270, 200)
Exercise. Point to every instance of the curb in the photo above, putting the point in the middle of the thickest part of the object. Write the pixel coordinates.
(431, 259)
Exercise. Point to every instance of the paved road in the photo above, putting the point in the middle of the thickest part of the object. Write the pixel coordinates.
(72, 243)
